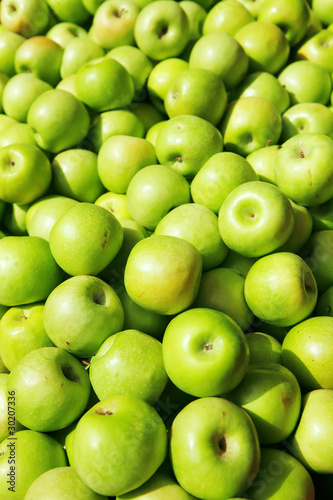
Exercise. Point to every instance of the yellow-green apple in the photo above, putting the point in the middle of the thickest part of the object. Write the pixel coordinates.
(75, 251)
(205, 352)
(68, 84)
(25, 457)
(92, 5)
(147, 113)
(153, 132)
(51, 388)
(120, 158)
(163, 273)
(245, 219)
(62, 33)
(3, 81)
(198, 225)
(15, 219)
(222, 54)
(263, 348)
(252, 6)
(307, 351)
(267, 283)
(76, 53)
(116, 204)
(22, 280)
(214, 449)
(75, 174)
(318, 49)
(322, 9)
(27, 18)
(22, 331)
(238, 262)
(262, 161)
(196, 15)
(306, 82)
(228, 16)
(112, 424)
(301, 231)
(6, 121)
(307, 117)
(81, 313)
(322, 216)
(304, 168)
(312, 441)
(162, 30)
(9, 43)
(319, 256)
(222, 289)
(104, 84)
(17, 134)
(72, 11)
(220, 175)
(160, 78)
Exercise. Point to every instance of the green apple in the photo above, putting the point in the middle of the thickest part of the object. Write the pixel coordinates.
(153, 132)
(62, 33)
(120, 158)
(324, 304)
(17, 134)
(162, 274)
(71, 11)
(255, 219)
(280, 289)
(9, 43)
(129, 363)
(301, 231)
(51, 388)
(222, 54)
(263, 348)
(75, 252)
(205, 352)
(6, 121)
(77, 52)
(3, 369)
(3, 81)
(104, 84)
(281, 476)
(198, 225)
(135, 433)
(214, 449)
(271, 396)
(22, 331)
(116, 204)
(75, 174)
(92, 5)
(25, 457)
(322, 216)
(265, 45)
(153, 191)
(62, 130)
(252, 6)
(222, 289)
(312, 442)
(162, 30)
(307, 351)
(307, 117)
(262, 161)
(228, 17)
(68, 84)
(81, 313)
(220, 175)
(147, 113)
(198, 92)
(318, 254)
(322, 10)
(304, 169)
(196, 15)
(21, 281)
(45, 215)
(27, 18)
(238, 262)
(318, 49)
(306, 82)
(250, 123)
(61, 482)
(15, 219)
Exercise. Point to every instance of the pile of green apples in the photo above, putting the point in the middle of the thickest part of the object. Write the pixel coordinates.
(166, 250)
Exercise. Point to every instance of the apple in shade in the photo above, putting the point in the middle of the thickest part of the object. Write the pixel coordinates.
(205, 352)
(34, 453)
(306, 82)
(322, 216)
(214, 449)
(325, 303)
(262, 161)
(318, 49)
(129, 363)
(307, 117)
(81, 313)
(9, 43)
(307, 351)
(75, 174)
(27, 18)
(74, 252)
(280, 289)
(77, 52)
(153, 191)
(14, 220)
(263, 348)
(312, 441)
(6, 429)
(72, 11)
(198, 225)
(45, 215)
(255, 219)
(196, 15)
(63, 32)
(163, 273)
(61, 482)
(301, 231)
(238, 262)
(120, 158)
(51, 388)
(153, 132)
(28, 272)
(104, 84)
(186, 142)
(222, 289)
(112, 424)
(147, 113)
(228, 16)
(318, 254)
(281, 476)
(22, 331)
(3, 80)
(250, 123)
(220, 175)
(162, 30)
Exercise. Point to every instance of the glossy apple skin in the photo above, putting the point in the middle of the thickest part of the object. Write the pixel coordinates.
(318, 49)
(263, 348)
(18, 133)
(322, 216)
(162, 274)
(281, 476)
(22, 280)
(30, 18)
(35, 453)
(266, 284)
(9, 43)
(135, 433)
(311, 443)
(202, 432)
(62, 33)
(116, 204)
(307, 117)
(307, 351)
(205, 352)
(77, 52)
(321, 9)
(61, 482)
(227, 17)
(81, 313)
(74, 253)
(160, 487)
(71, 11)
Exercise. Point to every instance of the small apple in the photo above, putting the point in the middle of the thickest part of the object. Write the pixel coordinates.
(228, 17)
(318, 49)
(116, 204)
(263, 348)
(262, 160)
(307, 117)
(62, 33)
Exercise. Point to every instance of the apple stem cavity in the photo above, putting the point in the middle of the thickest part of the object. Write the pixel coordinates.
(69, 373)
